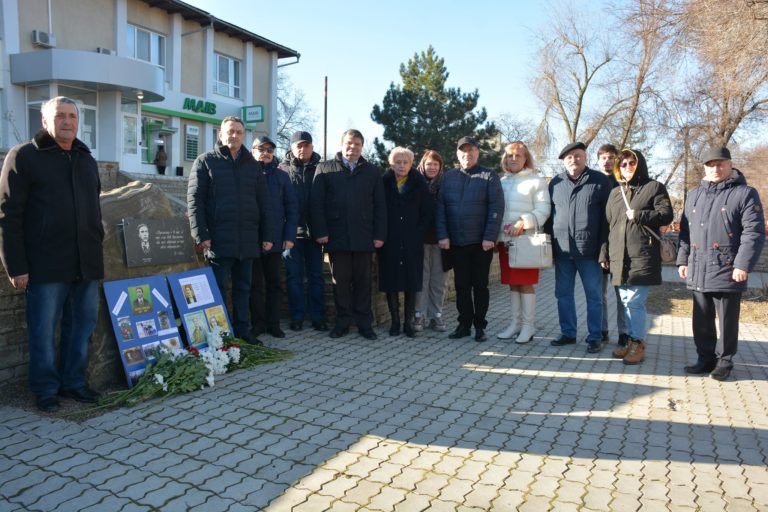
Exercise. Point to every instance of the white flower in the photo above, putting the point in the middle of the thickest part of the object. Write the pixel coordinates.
(234, 355)
(215, 360)
(209, 379)
(161, 380)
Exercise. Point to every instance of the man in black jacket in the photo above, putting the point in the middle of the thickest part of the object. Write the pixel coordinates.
(50, 245)
(230, 218)
(306, 255)
(349, 217)
(722, 233)
(578, 228)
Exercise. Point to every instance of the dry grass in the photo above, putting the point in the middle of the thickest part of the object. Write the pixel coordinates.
(674, 299)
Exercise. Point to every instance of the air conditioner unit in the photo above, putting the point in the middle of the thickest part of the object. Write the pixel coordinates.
(44, 39)
(106, 51)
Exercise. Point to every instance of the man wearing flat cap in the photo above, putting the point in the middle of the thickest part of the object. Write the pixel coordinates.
(722, 232)
(470, 206)
(578, 228)
(305, 258)
(265, 290)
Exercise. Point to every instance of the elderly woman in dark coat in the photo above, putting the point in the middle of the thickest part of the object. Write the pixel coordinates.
(409, 212)
(637, 207)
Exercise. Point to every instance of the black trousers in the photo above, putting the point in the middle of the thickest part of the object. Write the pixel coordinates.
(727, 306)
(265, 291)
(471, 265)
(351, 272)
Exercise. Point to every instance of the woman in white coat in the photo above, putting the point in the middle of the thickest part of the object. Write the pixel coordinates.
(526, 207)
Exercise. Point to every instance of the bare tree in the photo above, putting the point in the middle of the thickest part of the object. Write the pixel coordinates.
(725, 44)
(574, 75)
(511, 129)
(293, 111)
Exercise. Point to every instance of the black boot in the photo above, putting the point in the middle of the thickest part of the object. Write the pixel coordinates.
(409, 309)
(393, 303)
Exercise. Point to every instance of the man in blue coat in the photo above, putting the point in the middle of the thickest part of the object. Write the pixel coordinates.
(470, 206)
(722, 232)
(265, 291)
(578, 228)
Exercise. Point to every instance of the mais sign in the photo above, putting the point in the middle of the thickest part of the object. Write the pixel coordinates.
(205, 107)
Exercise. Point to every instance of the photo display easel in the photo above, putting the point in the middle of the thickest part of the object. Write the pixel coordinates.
(143, 321)
(200, 305)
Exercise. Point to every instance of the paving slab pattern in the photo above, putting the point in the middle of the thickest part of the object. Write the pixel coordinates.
(403, 424)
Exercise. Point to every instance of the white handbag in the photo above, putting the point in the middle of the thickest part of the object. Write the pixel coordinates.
(530, 250)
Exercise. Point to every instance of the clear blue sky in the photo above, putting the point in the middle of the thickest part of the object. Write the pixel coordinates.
(487, 45)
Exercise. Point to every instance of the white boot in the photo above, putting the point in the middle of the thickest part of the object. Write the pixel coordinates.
(514, 327)
(528, 302)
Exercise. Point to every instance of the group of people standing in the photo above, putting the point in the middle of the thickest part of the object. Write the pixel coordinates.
(247, 214)
(423, 220)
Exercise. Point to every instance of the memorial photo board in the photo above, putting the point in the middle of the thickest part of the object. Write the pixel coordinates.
(157, 242)
(142, 317)
(200, 305)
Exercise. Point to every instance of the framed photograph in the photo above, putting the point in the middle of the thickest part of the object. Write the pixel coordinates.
(141, 302)
(151, 350)
(126, 331)
(197, 327)
(133, 356)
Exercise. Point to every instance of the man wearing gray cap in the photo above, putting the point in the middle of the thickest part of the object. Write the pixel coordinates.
(578, 228)
(305, 258)
(470, 206)
(722, 232)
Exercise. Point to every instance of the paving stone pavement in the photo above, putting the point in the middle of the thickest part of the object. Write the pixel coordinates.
(429, 423)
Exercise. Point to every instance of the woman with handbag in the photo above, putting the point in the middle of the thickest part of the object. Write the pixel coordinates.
(635, 211)
(526, 209)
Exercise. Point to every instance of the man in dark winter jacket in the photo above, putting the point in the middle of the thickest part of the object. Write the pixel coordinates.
(578, 228)
(722, 232)
(349, 217)
(265, 291)
(606, 155)
(230, 217)
(50, 245)
(470, 206)
(305, 258)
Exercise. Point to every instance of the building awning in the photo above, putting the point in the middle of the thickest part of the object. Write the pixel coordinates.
(91, 70)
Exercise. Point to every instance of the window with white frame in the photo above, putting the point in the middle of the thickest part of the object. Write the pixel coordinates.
(227, 78)
(146, 45)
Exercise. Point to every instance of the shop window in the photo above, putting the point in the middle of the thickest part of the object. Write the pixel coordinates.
(227, 79)
(191, 142)
(36, 96)
(146, 45)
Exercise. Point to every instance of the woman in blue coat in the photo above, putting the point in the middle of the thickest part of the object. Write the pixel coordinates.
(409, 212)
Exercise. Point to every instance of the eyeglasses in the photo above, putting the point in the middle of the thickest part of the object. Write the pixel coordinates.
(264, 150)
(628, 164)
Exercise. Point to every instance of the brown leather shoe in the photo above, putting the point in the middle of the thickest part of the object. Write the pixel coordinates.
(636, 353)
(620, 352)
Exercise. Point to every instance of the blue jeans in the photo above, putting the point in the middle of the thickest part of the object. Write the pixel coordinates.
(565, 281)
(305, 259)
(76, 305)
(240, 271)
(633, 298)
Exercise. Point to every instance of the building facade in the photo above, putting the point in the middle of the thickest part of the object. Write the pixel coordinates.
(146, 73)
